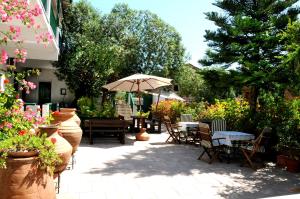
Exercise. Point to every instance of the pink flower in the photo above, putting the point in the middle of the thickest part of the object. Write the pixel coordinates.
(31, 85)
(8, 125)
(4, 57)
(4, 17)
(37, 10)
(20, 55)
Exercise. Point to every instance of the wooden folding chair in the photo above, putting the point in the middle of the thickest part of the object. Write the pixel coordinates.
(255, 147)
(173, 131)
(211, 147)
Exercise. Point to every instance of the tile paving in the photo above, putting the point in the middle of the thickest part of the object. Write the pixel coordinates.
(156, 170)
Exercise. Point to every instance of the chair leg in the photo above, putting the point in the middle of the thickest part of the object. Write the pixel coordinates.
(199, 158)
(206, 151)
(215, 155)
(248, 159)
(167, 140)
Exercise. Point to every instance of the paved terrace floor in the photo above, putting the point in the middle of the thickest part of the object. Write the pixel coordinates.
(154, 170)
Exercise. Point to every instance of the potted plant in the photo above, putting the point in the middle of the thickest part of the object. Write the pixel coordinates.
(288, 131)
(143, 114)
(27, 158)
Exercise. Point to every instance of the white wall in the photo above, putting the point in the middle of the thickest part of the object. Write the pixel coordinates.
(47, 75)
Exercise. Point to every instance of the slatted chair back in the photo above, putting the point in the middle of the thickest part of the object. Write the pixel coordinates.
(218, 125)
(186, 118)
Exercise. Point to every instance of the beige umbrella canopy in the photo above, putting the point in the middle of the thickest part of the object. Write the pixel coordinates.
(138, 83)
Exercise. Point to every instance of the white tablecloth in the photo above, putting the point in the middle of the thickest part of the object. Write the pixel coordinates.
(183, 125)
(231, 136)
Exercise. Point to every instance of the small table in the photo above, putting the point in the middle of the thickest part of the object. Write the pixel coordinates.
(138, 122)
(183, 126)
(186, 128)
(231, 140)
(232, 136)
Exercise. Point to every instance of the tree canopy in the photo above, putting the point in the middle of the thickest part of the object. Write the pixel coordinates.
(291, 60)
(97, 49)
(149, 45)
(190, 82)
(87, 59)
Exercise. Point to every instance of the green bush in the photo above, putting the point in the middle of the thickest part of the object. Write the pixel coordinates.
(107, 111)
(195, 109)
(288, 127)
(234, 111)
(86, 106)
(88, 109)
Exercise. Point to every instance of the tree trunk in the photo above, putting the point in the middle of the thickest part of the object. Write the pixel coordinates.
(104, 96)
(254, 92)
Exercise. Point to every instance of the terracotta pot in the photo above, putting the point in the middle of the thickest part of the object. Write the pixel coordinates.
(281, 161)
(292, 165)
(68, 128)
(71, 110)
(22, 180)
(142, 135)
(62, 146)
(22, 154)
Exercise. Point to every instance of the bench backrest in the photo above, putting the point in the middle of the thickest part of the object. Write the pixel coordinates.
(107, 123)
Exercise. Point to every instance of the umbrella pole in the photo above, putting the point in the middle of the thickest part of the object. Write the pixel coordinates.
(140, 102)
(157, 99)
(139, 94)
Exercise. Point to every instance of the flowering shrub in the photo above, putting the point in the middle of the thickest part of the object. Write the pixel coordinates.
(234, 111)
(195, 109)
(171, 108)
(17, 132)
(19, 10)
(214, 111)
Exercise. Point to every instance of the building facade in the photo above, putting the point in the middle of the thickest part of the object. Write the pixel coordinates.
(49, 88)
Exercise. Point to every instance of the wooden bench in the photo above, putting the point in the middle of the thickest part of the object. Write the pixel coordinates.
(107, 126)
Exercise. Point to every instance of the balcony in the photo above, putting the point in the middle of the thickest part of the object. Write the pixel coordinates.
(49, 21)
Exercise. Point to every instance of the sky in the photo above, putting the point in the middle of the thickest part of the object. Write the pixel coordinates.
(186, 16)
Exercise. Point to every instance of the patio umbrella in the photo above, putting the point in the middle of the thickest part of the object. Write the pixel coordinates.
(138, 83)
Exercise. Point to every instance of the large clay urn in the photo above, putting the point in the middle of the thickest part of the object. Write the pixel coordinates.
(23, 180)
(68, 128)
(62, 147)
(142, 135)
(72, 110)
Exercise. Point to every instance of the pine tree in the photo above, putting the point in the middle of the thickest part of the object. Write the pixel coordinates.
(248, 33)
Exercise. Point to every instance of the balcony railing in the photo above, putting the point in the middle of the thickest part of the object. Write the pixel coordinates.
(52, 13)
